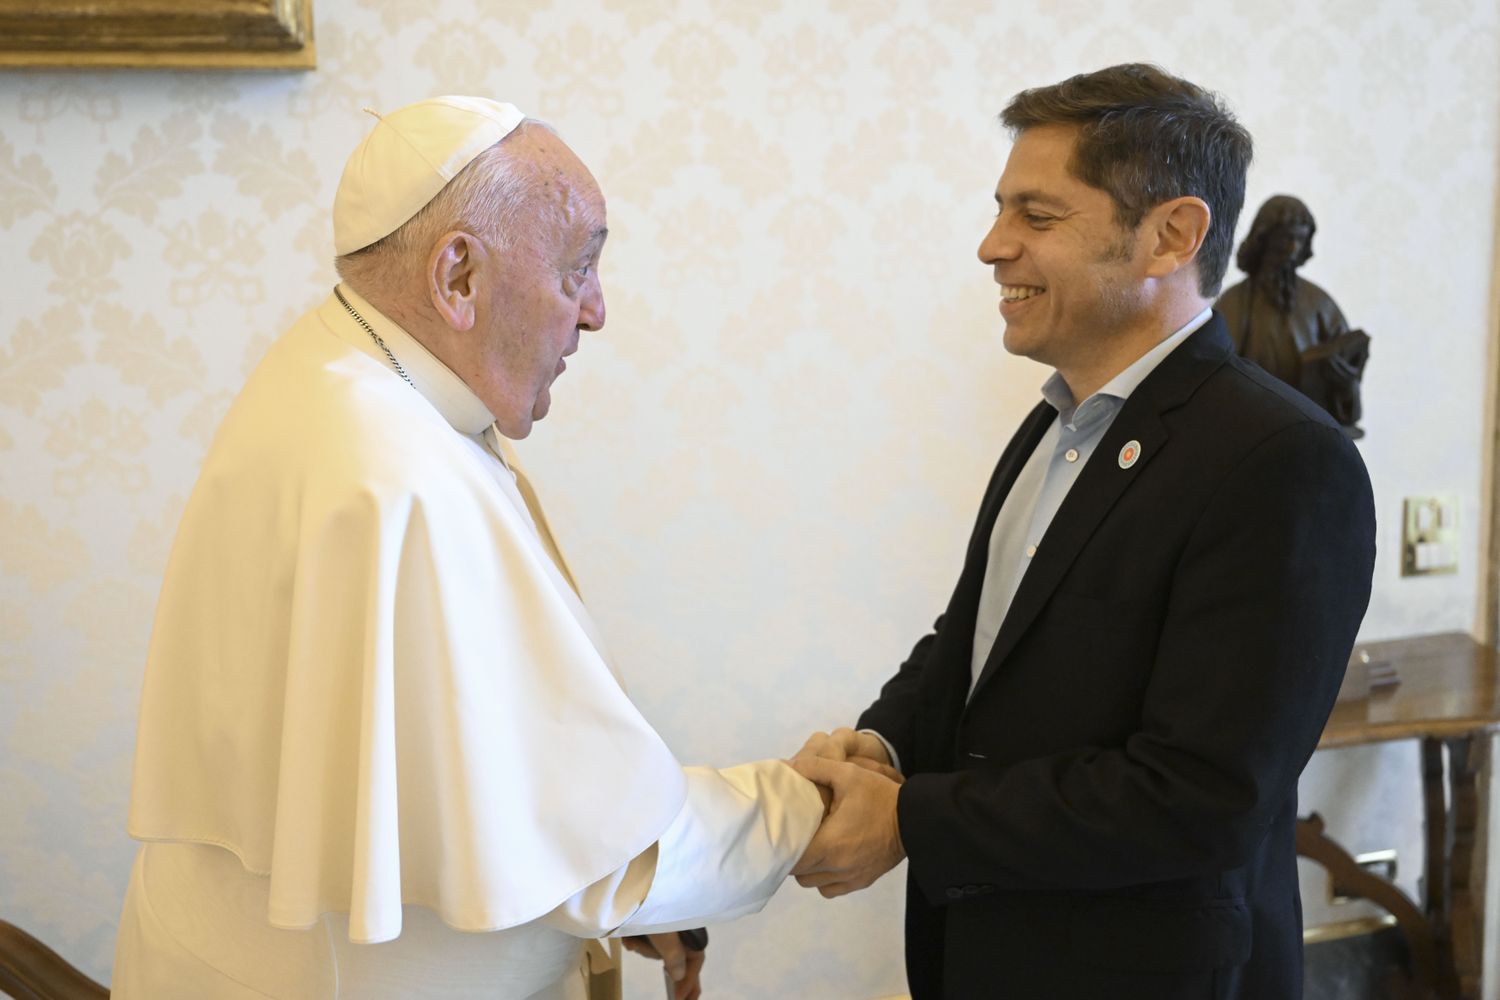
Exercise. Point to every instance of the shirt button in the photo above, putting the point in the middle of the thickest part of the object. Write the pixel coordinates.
(1030, 551)
(1071, 455)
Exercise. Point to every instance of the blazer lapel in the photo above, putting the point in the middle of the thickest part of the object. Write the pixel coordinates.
(1103, 480)
(949, 687)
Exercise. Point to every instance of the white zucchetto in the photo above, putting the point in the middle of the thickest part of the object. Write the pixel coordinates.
(410, 156)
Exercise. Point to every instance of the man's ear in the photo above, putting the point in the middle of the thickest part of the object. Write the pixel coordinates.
(453, 270)
(1177, 230)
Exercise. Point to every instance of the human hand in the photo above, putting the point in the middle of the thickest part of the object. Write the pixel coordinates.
(860, 839)
(844, 744)
(683, 964)
(876, 766)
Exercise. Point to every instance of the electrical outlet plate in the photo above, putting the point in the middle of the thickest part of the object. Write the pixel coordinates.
(1429, 535)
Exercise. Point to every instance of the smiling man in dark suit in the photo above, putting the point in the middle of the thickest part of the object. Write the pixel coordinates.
(1091, 762)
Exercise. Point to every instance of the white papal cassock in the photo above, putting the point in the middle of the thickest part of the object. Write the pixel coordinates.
(382, 750)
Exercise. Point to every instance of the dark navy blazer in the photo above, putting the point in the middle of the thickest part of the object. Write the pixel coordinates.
(1110, 815)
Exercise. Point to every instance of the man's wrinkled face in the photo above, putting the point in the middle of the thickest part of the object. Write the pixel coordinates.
(1064, 266)
(544, 289)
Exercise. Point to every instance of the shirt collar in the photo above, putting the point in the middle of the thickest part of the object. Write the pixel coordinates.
(1055, 390)
(434, 380)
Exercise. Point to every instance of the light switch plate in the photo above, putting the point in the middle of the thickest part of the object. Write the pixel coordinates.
(1429, 535)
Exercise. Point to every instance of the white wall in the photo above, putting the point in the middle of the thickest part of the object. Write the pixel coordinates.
(764, 469)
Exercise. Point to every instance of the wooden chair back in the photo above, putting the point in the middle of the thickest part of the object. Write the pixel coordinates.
(29, 970)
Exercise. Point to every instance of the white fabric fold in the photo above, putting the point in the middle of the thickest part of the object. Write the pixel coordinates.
(364, 679)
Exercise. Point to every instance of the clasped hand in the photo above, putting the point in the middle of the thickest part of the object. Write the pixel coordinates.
(859, 840)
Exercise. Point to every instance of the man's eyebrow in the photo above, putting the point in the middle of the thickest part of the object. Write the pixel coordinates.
(1023, 198)
(596, 240)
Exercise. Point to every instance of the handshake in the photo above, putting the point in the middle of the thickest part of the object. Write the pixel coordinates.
(859, 839)
(857, 842)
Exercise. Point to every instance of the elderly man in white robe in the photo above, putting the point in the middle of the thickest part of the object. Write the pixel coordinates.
(382, 750)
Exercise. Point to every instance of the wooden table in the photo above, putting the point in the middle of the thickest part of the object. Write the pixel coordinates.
(1449, 699)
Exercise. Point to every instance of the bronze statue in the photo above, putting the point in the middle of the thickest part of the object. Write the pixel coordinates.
(1288, 325)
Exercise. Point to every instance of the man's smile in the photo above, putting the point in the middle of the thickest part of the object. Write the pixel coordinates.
(1016, 293)
(1014, 299)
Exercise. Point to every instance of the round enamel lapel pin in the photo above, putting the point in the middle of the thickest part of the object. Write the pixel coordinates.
(1130, 454)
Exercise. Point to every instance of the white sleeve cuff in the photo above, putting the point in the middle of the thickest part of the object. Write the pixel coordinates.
(739, 834)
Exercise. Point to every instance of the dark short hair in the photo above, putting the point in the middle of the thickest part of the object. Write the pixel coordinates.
(1280, 212)
(1145, 137)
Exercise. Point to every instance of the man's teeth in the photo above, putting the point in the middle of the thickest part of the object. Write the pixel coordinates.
(1015, 293)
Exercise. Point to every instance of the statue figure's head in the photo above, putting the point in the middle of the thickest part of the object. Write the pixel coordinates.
(1280, 241)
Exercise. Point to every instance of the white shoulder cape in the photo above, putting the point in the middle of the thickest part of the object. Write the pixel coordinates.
(363, 679)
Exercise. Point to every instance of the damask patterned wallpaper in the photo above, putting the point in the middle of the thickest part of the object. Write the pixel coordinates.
(765, 467)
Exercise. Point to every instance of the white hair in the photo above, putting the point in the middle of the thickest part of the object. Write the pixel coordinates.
(489, 198)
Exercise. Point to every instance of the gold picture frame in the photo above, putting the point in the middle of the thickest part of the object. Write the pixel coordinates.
(157, 34)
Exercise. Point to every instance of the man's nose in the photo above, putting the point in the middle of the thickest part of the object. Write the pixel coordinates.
(591, 312)
(998, 244)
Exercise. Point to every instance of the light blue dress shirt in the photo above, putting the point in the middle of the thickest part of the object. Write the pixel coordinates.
(1043, 485)
(1046, 478)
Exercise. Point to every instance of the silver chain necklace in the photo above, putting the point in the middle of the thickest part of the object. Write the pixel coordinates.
(493, 449)
(373, 336)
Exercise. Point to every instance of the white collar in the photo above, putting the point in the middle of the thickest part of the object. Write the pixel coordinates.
(437, 383)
